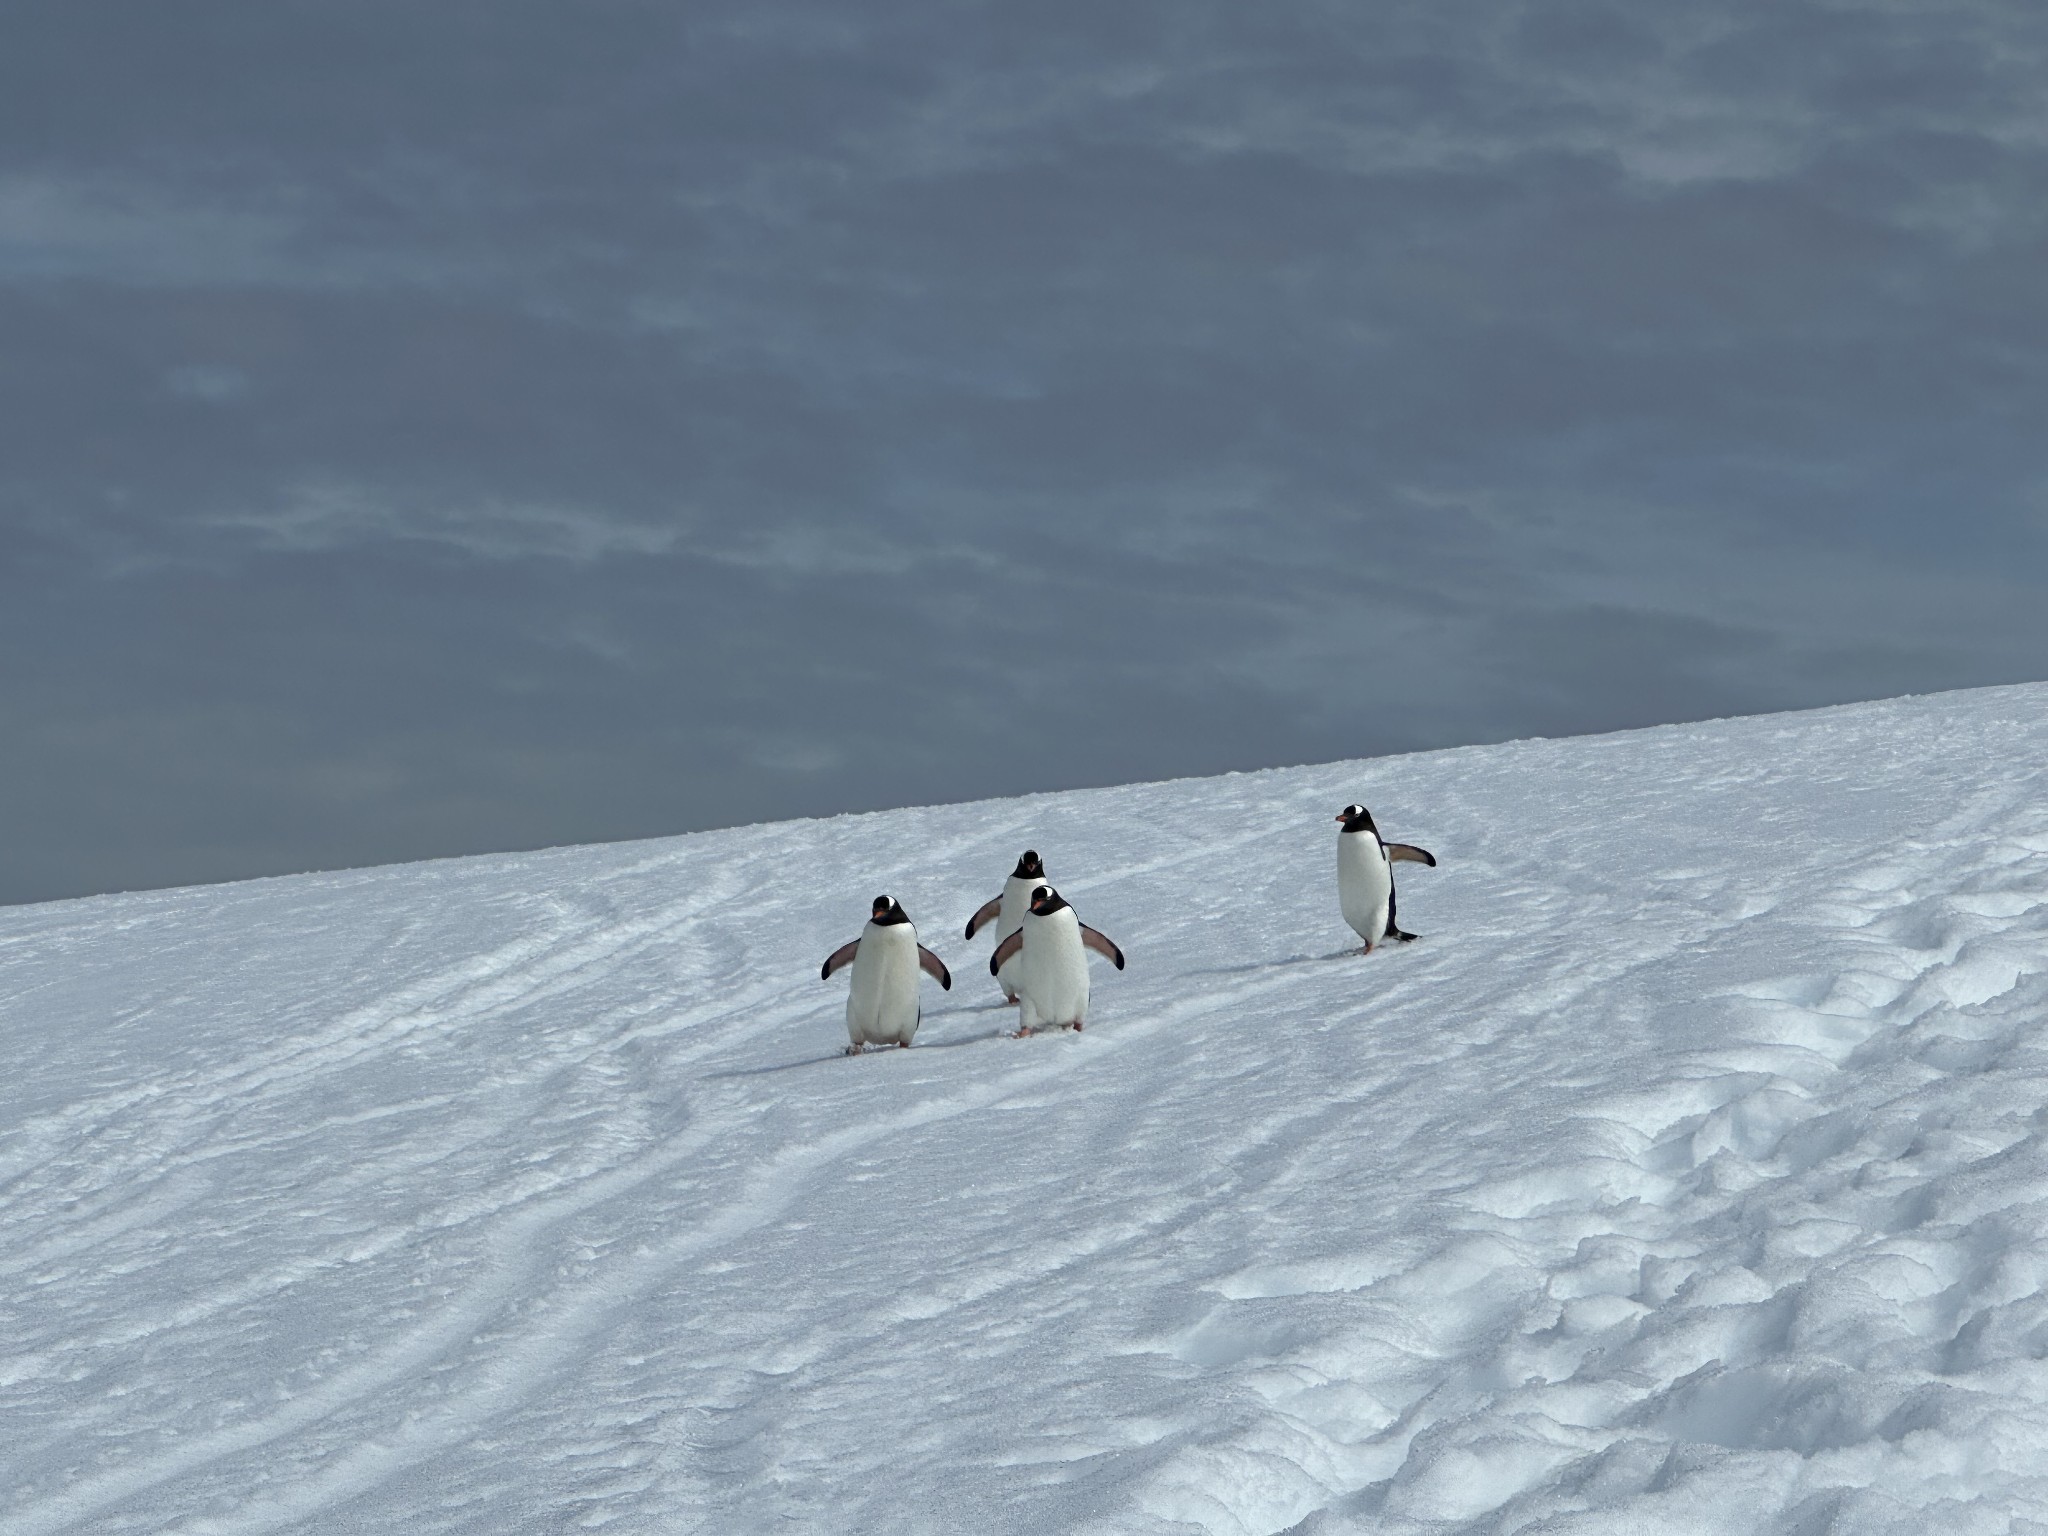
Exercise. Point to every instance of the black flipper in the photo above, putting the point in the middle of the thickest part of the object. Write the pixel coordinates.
(987, 914)
(843, 955)
(1410, 852)
(1004, 951)
(1099, 942)
(935, 968)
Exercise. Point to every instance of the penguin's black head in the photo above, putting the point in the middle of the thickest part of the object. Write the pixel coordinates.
(887, 911)
(1356, 818)
(1029, 867)
(1045, 899)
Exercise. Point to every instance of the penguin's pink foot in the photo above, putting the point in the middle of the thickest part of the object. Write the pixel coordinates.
(1077, 1026)
(853, 1050)
(902, 1045)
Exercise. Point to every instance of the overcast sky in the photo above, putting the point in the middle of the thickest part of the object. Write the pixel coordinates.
(430, 429)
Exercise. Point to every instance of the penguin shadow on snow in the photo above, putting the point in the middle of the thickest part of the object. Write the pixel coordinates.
(1251, 966)
(974, 1039)
(882, 1050)
(890, 1053)
(782, 1066)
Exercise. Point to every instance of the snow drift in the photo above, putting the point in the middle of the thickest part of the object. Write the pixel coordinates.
(1687, 1176)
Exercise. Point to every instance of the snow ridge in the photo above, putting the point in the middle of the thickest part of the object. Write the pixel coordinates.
(1687, 1176)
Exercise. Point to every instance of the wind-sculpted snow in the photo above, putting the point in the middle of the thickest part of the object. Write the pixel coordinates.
(1688, 1176)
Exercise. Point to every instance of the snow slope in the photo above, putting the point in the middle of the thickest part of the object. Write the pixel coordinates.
(1688, 1176)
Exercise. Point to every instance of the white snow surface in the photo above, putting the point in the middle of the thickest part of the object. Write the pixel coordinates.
(1687, 1176)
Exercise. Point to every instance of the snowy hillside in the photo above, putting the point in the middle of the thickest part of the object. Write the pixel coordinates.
(1688, 1176)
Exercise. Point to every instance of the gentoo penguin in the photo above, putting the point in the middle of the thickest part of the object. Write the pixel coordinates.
(1365, 876)
(1052, 973)
(883, 1009)
(1007, 912)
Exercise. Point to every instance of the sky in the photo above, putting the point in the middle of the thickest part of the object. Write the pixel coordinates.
(437, 429)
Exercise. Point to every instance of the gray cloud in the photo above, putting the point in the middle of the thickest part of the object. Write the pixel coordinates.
(425, 430)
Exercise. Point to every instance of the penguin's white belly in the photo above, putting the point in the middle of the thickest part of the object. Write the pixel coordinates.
(1009, 918)
(882, 1007)
(1052, 971)
(1365, 883)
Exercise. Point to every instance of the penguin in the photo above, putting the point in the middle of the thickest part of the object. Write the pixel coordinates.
(883, 1008)
(1006, 911)
(1052, 971)
(1365, 876)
